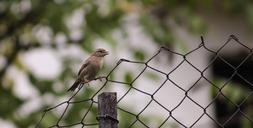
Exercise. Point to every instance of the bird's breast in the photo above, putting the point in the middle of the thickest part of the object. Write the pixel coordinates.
(101, 63)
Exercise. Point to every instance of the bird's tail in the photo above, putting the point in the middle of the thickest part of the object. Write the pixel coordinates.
(74, 86)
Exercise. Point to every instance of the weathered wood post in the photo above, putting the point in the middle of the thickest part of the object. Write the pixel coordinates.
(107, 110)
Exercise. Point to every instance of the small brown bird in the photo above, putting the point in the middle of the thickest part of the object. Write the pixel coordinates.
(90, 68)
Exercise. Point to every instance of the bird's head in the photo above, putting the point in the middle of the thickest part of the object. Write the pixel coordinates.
(100, 52)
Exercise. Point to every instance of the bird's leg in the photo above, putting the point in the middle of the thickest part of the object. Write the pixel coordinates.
(88, 81)
(80, 85)
(100, 78)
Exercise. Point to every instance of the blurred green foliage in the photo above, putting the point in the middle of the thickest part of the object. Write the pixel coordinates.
(20, 18)
(238, 95)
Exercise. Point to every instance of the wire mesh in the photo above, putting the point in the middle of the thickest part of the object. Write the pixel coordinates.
(238, 106)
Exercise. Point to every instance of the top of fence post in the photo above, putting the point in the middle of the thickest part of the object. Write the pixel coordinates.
(107, 111)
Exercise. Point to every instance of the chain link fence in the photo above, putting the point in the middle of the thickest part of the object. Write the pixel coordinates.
(241, 110)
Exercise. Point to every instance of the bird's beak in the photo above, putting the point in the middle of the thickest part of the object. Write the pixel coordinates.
(106, 53)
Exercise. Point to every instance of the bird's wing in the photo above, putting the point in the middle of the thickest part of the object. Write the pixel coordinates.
(83, 67)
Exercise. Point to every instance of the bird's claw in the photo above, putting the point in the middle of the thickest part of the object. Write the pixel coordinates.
(100, 79)
(80, 86)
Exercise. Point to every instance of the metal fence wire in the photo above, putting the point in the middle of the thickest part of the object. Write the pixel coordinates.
(239, 107)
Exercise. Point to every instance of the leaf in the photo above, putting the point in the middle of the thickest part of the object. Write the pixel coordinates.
(152, 75)
(9, 103)
(49, 119)
(125, 118)
(18, 63)
(159, 32)
(128, 77)
(139, 55)
(197, 25)
(249, 12)
(42, 85)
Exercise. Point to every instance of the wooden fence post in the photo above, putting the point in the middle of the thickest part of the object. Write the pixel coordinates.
(107, 111)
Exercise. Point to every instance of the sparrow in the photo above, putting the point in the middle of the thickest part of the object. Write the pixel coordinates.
(90, 68)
